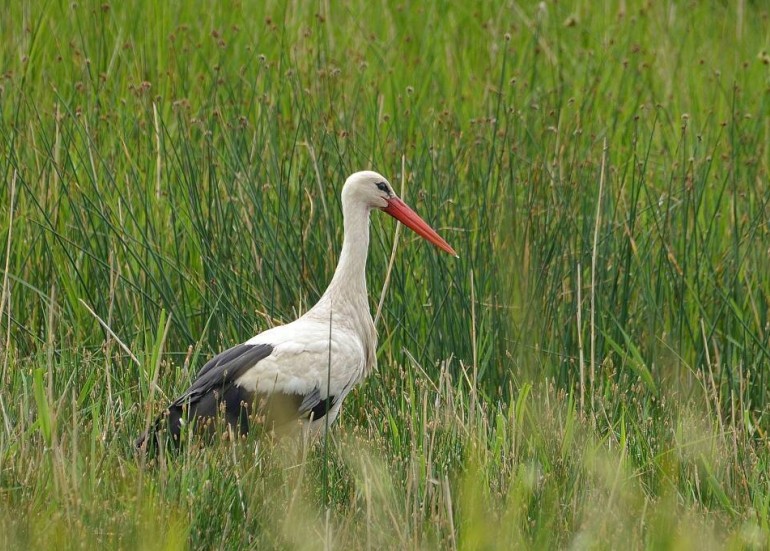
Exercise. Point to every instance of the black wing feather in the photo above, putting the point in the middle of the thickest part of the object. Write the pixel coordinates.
(224, 357)
(315, 407)
(223, 370)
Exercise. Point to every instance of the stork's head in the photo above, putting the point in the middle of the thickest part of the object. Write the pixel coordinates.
(367, 188)
(373, 190)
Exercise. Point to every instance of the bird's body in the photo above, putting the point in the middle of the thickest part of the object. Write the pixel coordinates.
(302, 370)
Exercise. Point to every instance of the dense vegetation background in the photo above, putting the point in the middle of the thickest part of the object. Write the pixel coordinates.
(592, 370)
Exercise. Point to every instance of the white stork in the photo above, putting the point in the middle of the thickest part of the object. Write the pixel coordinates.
(302, 370)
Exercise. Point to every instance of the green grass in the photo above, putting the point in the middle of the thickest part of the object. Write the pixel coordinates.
(590, 373)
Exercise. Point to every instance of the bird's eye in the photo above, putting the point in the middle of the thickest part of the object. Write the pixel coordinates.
(382, 186)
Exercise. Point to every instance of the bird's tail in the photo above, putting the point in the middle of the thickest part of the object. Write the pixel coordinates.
(163, 433)
(203, 416)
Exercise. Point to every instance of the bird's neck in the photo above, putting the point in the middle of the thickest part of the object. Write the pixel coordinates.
(345, 304)
(348, 286)
(349, 281)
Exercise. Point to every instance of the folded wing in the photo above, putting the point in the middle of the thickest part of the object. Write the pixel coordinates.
(217, 395)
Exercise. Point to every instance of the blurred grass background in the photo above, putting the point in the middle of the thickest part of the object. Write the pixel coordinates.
(592, 370)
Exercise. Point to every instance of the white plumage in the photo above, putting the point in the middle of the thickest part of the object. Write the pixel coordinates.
(304, 369)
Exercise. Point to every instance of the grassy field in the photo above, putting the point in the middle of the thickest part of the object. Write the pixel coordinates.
(592, 372)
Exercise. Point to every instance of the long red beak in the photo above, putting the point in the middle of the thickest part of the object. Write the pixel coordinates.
(401, 212)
